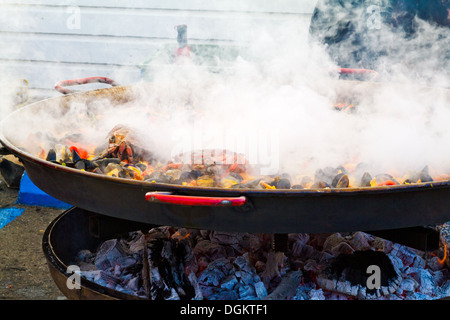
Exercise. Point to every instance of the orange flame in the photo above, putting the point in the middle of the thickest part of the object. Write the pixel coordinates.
(444, 258)
(178, 234)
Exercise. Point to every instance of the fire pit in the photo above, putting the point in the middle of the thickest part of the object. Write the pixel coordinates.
(194, 264)
(238, 243)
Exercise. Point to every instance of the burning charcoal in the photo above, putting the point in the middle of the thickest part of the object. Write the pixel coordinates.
(224, 238)
(209, 249)
(85, 256)
(246, 291)
(133, 284)
(107, 280)
(166, 269)
(299, 241)
(194, 283)
(406, 254)
(287, 287)
(275, 261)
(297, 187)
(260, 266)
(249, 242)
(409, 284)
(224, 295)
(319, 294)
(365, 180)
(360, 241)
(216, 272)
(332, 241)
(229, 282)
(90, 275)
(260, 290)
(174, 274)
(342, 248)
(108, 253)
(243, 264)
(424, 279)
(445, 292)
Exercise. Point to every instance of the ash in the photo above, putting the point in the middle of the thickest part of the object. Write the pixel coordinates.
(201, 264)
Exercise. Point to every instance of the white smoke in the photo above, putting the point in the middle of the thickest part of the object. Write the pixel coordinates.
(274, 103)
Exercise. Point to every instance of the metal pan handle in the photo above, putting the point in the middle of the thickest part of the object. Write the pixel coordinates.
(168, 197)
(60, 86)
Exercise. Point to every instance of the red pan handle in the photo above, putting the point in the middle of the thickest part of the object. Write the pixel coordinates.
(60, 86)
(167, 197)
(358, 71)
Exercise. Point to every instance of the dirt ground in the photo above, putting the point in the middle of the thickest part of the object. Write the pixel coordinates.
(24, 274)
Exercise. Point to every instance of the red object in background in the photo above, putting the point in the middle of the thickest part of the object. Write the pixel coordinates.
(60, 85)
(183, 48)
(185, 51)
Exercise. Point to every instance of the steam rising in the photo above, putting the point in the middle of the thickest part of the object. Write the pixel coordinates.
(274, 103)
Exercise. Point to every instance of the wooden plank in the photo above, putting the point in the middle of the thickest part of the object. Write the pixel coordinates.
(138, 23)
(261, 6)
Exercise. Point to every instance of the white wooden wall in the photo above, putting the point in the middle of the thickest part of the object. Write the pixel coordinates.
(46, 41)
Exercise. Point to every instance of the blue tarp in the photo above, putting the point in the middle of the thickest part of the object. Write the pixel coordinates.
(9, 214)
(30, 194)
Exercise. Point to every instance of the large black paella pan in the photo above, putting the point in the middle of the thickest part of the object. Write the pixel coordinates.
(226, 209)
